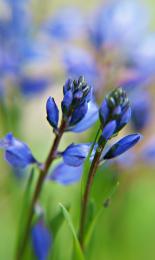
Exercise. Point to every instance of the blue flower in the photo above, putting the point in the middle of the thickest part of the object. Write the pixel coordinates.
(116, 24)
(17, 153)
(52, 112)
(143, 55)
(141, 110)
(79, 62)
(41, 240)
(30, 85)
(77, 95)
(75, 154)
(66, 174)
(89, 119)
(115, 107)
(65, 24)
(108, 131)
(79, 112)
(122, 146)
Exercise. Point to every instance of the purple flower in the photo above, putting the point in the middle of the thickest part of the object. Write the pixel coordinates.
(66, 174)
(17, 153)
(41, 240)
(122, 146)
(52, 112)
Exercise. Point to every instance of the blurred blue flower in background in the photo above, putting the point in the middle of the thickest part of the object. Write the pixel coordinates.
(66, 24)
(116, 24)
(41, 240)
(144, 55)
(17, 41)
(80, 62)
(141, 110)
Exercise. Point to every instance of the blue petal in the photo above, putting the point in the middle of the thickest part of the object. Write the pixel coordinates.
(75, 154)
(109, 130)
(41, 241)
(66, 174)
(141, 110)
(79, 114)
(67, 101)
(17, 153)
(124, 119)
(90, 118)
(104, 112)
(52, 112)
(30, 86)
(122, 146)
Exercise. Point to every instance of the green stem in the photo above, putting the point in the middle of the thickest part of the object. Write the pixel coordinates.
(42, 176)
(91, 174)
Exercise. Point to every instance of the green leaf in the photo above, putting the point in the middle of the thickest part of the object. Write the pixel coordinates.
(57, 222)
(77, 252)
(25, 206)
(90, 231)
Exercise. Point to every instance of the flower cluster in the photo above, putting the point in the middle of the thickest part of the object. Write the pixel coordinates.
(76, 106)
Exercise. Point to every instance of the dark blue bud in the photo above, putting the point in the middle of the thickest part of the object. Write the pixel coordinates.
(108, 131)
(117, 111)
(78, 114)
(122, 146)
(67, 101)
(124, 119)
(52, 112)
(17, 153)
(104, 112)
(68, 86)
(41, 240)
(75, 154)
(66, 174)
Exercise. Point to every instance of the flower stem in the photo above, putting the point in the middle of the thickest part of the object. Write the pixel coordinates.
(42, 176)
(91, 174)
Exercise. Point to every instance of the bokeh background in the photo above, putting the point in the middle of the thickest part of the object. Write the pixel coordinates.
(42, 43)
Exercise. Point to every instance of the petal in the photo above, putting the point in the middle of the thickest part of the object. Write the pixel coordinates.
(52, 112)
(67, 101)
(19, 156)
(122, 145)
(124, 119)
(17, 153)
(75, 154)
(90, 118)
(41, 240)
(108, 130)
(66, 174)
(104, 112)
(30, 86)
(6, 141)
(78, 114)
